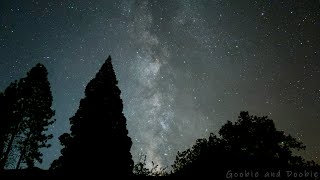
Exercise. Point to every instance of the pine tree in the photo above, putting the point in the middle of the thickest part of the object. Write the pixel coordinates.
(28, 105)
(7, 121)
(99, 141)
(37, 99)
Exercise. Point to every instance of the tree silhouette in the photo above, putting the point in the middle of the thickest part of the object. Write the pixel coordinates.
(27, 114)
(3, 124)
(251, 142)
(37, 100)
(8, 121)
(99, 142)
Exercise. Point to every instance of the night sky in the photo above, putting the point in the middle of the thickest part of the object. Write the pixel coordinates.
(184, 67)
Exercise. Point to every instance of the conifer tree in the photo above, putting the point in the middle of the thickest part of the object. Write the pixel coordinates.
(7, 121)
(28, 115)
(99, 142)
(37, 100)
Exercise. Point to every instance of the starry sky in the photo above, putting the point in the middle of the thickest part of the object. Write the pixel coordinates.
(184, 67)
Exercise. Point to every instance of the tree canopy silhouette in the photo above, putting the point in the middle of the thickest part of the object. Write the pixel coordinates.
(99, 142)
(251, 142)
(25, 116)
(8, 101)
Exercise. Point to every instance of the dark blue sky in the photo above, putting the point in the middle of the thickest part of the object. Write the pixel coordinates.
(184, 67)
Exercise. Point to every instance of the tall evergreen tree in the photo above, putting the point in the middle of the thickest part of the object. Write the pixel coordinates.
(99, 141)
(7, 121)
(37, 100)
(28, 115)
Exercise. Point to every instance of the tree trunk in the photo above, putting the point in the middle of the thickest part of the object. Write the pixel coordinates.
(2, 140)
(24, 150)
(6, 154)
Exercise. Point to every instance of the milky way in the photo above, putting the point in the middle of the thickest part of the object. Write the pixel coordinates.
(184, 67)
(152, 101)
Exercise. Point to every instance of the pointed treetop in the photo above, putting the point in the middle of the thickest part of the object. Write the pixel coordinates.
(106, 75)
(109, 58)
(108, 61)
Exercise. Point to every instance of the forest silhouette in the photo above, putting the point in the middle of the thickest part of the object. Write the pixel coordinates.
(98, 144)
